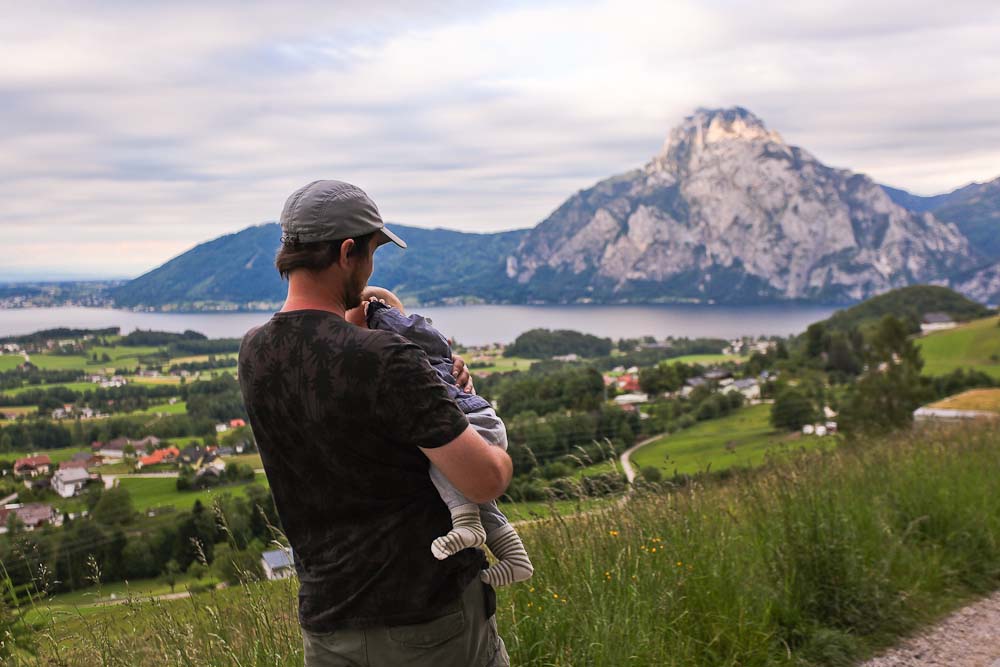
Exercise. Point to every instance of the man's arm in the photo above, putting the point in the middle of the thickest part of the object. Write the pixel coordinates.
(481, 472)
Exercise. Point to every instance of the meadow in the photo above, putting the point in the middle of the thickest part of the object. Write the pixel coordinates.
(817, 559)
(973, 345)
(742, 439)
(986, 400)
(151, 492)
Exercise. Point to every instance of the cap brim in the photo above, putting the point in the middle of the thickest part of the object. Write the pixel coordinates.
(392, 237)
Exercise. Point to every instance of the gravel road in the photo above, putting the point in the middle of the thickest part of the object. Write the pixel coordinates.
(970, 637)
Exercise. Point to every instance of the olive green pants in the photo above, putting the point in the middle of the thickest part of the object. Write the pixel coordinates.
(461, 637)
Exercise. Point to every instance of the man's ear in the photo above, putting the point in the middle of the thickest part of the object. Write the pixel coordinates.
(347, 248)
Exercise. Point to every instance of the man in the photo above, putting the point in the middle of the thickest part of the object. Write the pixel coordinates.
(347, 420)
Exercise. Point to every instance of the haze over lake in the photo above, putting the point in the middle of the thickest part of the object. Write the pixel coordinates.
(469, 325)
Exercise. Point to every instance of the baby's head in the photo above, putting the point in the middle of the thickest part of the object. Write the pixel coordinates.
(356, 316)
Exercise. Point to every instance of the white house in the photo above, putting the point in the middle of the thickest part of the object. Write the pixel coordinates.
(278, 563)
(635, 398)
(67, 482)
(936, 322)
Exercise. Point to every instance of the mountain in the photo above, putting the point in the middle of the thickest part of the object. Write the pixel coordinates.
(982, 284)
(974, 209)
(728, 211)
(909, 304)
(237, 270)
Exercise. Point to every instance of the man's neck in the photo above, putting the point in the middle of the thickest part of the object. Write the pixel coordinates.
(307, 291)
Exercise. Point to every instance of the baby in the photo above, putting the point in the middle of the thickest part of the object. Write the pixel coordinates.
(472, 525)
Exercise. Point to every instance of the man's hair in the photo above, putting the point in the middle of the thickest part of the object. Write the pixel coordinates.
(315, 256)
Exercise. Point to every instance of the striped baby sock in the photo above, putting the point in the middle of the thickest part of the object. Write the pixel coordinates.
(512, 559)
(467, 531)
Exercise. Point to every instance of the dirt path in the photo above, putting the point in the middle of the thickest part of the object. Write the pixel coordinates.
(626, 457)
(969, 637)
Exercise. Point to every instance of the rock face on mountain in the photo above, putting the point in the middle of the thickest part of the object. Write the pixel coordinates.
(982, 284)
(728, 211)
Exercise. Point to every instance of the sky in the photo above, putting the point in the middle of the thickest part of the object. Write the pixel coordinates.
(131, 132)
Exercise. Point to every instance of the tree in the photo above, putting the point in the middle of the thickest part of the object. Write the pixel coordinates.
(170, 574)
(114, 507)
(891, 387)
(792, 410)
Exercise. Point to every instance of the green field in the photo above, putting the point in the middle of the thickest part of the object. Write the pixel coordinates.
(178, 408)
(74, 386)
(19, 409)
(744, 438)
(147, 493)
(504, 364)
(9, 362)
(55, 455)
(973, 345)
(252, 460)
(706, 359)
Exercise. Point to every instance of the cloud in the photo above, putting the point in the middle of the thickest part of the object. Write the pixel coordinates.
(136, 131)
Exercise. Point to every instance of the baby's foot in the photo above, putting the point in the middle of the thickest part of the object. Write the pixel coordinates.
(512, 563)
(467, 531)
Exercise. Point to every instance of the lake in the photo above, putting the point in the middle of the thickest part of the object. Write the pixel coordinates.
(469, 325)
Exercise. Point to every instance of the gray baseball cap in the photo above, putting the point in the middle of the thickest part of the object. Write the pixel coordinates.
(330, 211)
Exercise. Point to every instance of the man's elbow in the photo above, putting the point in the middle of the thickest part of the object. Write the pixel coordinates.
(494, 481)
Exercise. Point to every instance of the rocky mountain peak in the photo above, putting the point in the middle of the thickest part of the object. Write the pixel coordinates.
(713, 131)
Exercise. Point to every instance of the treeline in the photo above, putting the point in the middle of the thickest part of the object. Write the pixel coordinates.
(59, 333)
(545, 344)
(211, 363)
(573, 388)
(113, 545)
(33, 376)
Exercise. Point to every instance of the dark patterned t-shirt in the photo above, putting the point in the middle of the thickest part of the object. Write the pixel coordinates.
(338, 413)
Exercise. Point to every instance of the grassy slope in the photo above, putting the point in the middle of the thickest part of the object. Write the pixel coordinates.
(9, 362)
(504, 364)
(969, 346)
(975, 399)
(744, 438)
(817, 562)
(706, 359)
(74, 386)
(147, 493)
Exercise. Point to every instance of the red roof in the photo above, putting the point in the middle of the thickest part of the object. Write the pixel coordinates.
(236, 423)
(159, 455)
(66, 465)
(33, 461)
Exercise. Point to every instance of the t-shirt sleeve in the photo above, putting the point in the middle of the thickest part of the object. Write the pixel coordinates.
(413, 406)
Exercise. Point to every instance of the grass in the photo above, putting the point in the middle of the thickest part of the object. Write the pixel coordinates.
(252, 460)
(19, 410)
(987, 400)
(706, 359)
(744, 439)
(73, 386)
(150, 492)
(55, 455)
(176, 408)
(817, 560)
(9, 362)
(504, 364)
(529, 511)
(201, 358)
(973, 345)
(120, 356)
(163, 379)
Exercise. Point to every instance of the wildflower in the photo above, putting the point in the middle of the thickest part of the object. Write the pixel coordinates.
(531, 590)
(653, 550)
(613, 533)
(680, 564)
(555, 596)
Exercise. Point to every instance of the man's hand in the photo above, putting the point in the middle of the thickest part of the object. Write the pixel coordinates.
(462, 377)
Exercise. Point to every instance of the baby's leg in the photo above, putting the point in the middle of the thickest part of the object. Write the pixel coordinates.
(505, 544)
(467, 530)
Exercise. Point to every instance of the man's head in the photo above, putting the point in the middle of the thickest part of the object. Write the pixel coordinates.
(330, 231)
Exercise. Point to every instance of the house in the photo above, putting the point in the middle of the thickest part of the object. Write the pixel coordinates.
(69, 465)
(115, 449)
(632, 399)
(628, 383)
(32, 515)
(67, 482)
(278, 563)
(236, 423)
(165, 455)
(192, 454)
(566, 357)
(32, 466)
(748, 387)
(221, 427)
(146, 444)
(717, 374)
(936, 322)
(947, 415)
